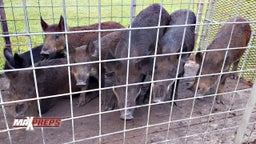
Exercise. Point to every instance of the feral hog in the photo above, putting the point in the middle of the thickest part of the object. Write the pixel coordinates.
(142, 43)
(172, 42)
(213, 60)
(22, 60)
(84, 72)
(50, 81)
(55, 44)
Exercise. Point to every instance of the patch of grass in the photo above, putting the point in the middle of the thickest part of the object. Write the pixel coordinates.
(78, 13)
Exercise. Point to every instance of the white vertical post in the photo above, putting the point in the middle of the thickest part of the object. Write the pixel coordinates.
(199, 17)
(246, 117)
(5, 118)
(133, 10)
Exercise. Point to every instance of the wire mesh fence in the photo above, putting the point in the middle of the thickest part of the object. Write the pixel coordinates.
(128, 95)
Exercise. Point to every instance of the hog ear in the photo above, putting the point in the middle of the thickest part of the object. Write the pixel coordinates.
(198, 58)
(8, 65)
(10, 75)
(110, 55)
(112, 64)
(139, 64)
(71, 50)
(19, 61)
(44, 25)
(61, 23)
(91, 50)
(8, 56)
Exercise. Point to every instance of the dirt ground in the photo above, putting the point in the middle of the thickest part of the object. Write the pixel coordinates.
(219, 127)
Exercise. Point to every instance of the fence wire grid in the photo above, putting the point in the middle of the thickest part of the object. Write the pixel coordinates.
(189, 118)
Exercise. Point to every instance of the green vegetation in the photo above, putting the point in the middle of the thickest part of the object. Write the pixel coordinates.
(78, 13)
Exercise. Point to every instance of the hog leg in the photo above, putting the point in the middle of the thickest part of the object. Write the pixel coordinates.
(81, 101)
(193, 87)
(235, 66)
(143, 97)
(145, 91)
(109, 100)
(219, 98)
(46, 104)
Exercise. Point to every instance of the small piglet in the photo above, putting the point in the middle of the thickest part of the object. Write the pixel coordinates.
(84, 72)
(172, 42)
(230, 36)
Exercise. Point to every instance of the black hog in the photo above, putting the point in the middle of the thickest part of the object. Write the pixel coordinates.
(142, 43)
(50, 81)
(55, 44)
(84, 72)
(213, 60)
(22, 60)
(172, 42)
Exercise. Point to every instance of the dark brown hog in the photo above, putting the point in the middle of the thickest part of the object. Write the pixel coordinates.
(172, 42)
(22, 60)
(142, 43)
(55, 44)
(83, 72)
(50, 81)
(213, 60)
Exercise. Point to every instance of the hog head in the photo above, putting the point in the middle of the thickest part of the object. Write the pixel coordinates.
(16, 61)
(210, 66)
(166, 68)
(20, 90)
(53, 43)
(82, 72)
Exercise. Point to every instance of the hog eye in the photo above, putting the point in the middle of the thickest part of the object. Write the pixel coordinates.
(110, 74)
(57, 37)
(156, 66)
(174, 70)
(213, 76)
(12, 89)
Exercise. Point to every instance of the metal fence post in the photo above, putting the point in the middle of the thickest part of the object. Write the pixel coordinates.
(4, 25)
(246, 117)
(133, 10)
(199, 17)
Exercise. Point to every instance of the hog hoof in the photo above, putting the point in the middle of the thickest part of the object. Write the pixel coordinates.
(80, 104)
(234, 76)
(156, 100)
(127, 117)
(107, 108)
(191, 88)
(20, 115)
(219, 101)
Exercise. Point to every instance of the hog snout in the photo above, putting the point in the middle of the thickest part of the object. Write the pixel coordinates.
(81, 80)
(81, 83)
(158, 93)
(44, 53)
(202, 90)
(20, 110)
(128, 115)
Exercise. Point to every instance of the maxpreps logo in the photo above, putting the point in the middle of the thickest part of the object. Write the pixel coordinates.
(31, 122)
